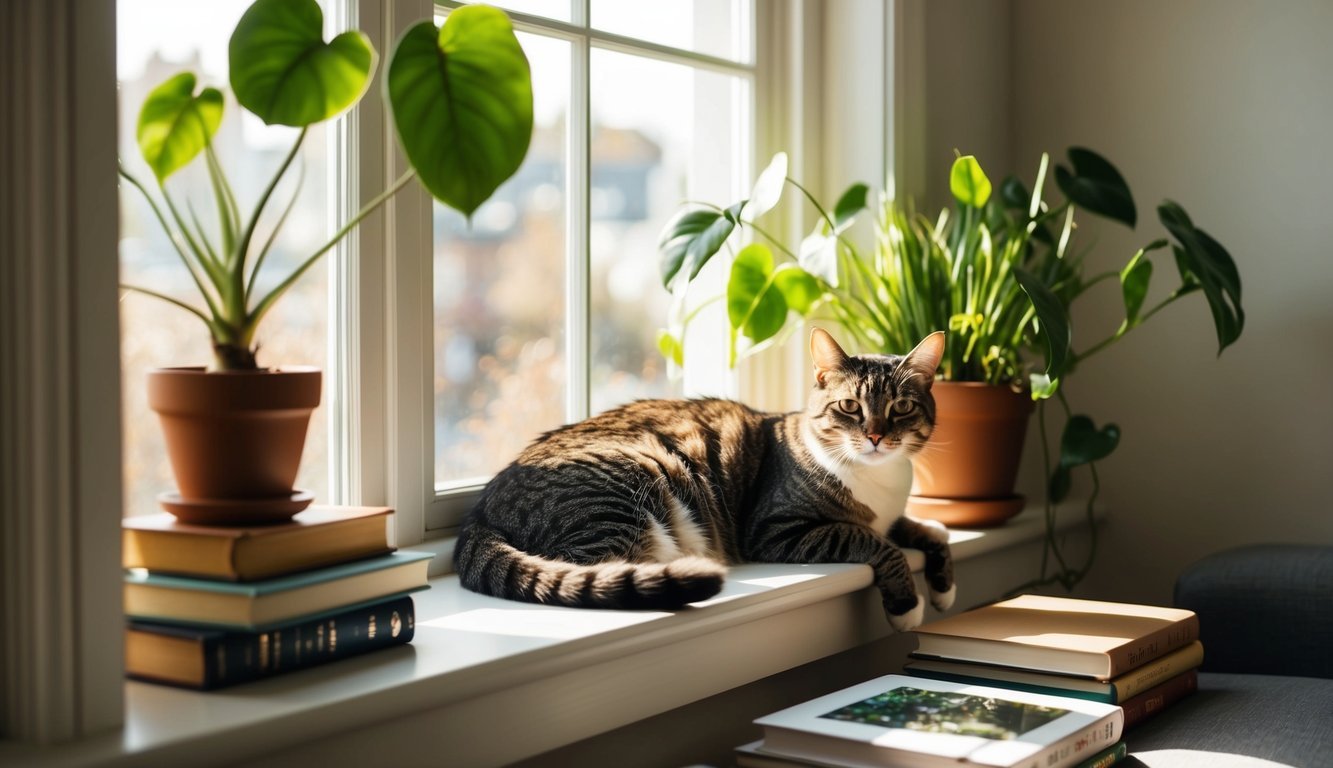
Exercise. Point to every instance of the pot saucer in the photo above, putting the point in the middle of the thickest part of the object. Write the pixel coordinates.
(273, 509)
(965, 513)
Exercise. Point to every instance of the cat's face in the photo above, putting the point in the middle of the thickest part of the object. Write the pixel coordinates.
(871, 408)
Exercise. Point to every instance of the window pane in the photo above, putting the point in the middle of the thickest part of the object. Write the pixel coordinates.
(662, 134)
(500, 297)
(157, 39)
(551, 9)
(715, 27)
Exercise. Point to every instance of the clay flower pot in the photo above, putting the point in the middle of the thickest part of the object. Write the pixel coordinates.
(965, 477)
(235, 440)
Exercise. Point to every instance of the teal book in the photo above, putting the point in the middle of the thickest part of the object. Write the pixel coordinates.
(260, 605)
(206, 659)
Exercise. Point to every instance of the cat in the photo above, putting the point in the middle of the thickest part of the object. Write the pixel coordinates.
(643, 506)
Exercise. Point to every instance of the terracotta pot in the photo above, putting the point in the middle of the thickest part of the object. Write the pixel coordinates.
(966, 475)
(234, 435)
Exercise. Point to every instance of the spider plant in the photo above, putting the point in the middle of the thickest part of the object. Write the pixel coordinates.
(999, 271)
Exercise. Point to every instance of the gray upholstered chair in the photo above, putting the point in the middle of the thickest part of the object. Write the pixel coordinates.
(1266, 686)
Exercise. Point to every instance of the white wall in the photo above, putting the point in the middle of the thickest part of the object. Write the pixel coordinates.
(1225, 106)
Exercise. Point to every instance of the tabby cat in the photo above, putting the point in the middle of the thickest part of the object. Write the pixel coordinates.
(642, 506)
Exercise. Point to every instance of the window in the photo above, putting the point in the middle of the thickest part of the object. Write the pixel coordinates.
(157, 39)
(546, 306)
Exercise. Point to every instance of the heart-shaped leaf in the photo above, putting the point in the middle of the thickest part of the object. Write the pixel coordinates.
(1095, 185)
(461, 98)
(850, 204)
(1082, 443)
(175, 124)
(818, 254)
(768, 187)
(968, 182)
(755, 306)
(283, 71)
(1014, 194)
(677, 236)
(799, 288)
(1204, 262)
(1052, 319)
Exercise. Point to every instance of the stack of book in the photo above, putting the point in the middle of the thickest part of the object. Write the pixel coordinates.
(899, 720)
(213, 606)
(1140, 657)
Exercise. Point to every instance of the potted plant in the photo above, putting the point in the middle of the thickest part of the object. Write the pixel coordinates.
(461, 101)
(999, 272)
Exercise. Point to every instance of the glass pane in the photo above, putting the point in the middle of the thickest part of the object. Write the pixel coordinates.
(715, 27)
(662, 134)
(157, 39)
(500, 297)
(551, 9)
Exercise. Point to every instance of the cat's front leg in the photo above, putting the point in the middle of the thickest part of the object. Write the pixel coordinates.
(852, 543)
(932, 538)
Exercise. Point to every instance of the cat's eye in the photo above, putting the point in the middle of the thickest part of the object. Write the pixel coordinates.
(849, 406)
(903, 407)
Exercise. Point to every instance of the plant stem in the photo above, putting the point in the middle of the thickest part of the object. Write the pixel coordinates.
(170, 300)
(171, 235)
(236, 292)
(267, 302)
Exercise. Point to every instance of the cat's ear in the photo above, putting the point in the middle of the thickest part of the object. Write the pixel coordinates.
(925, 358)
(825, 353)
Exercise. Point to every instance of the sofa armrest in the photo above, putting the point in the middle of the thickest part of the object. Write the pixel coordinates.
(1264, 609)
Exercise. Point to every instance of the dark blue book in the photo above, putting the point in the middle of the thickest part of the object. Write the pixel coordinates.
(205, 659)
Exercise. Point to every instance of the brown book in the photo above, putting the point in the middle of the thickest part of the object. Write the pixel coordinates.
(1061, 635)
(317, 537)
(1155, 699)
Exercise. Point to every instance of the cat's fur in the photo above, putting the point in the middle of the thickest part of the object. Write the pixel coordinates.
(642, 506)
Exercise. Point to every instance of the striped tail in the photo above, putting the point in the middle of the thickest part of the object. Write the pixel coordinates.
(489, 565)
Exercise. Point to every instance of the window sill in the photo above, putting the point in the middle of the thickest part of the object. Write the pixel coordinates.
(476, 661)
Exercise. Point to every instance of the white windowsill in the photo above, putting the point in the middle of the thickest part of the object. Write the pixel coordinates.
(474, 655)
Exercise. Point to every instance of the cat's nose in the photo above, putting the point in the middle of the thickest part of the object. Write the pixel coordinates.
(874, 439)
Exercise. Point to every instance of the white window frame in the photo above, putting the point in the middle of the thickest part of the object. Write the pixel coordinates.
(380, 384)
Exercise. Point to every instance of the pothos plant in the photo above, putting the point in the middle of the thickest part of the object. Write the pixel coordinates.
(461, 101)
(1000, 272)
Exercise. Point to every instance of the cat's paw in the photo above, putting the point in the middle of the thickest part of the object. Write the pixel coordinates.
(911, 619)
(943, 601)
(936, 531)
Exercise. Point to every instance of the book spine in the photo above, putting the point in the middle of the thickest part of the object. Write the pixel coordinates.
(1156, 672)
(1107, 757)
(1153, 646)
(1079, 746)
(981, 679)
(1154, 700)
(240, 657)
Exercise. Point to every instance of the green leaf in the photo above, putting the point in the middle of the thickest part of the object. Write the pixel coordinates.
(462, 104)
(818, 254)
(1014, 195)
(851, 203)
(768, 187)
(1095, 185)
(283, 71)
(1203, 261)
(968, 182)
(755, 306)
(1082, 443)
(1134, 280)
(175, 125)
(670, 347)
(1043, 386)
(1053, 321)
(799, 288)
(692, 237)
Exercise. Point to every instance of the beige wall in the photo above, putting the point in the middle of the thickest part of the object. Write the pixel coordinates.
(1226, 107)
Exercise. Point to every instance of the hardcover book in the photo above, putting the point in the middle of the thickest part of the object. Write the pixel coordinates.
(1112, 691)
(752, 755)
(1154, 700)
(317, 537)
(266, 604)
(1060, 635)
(206, 659)
(916, 722)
